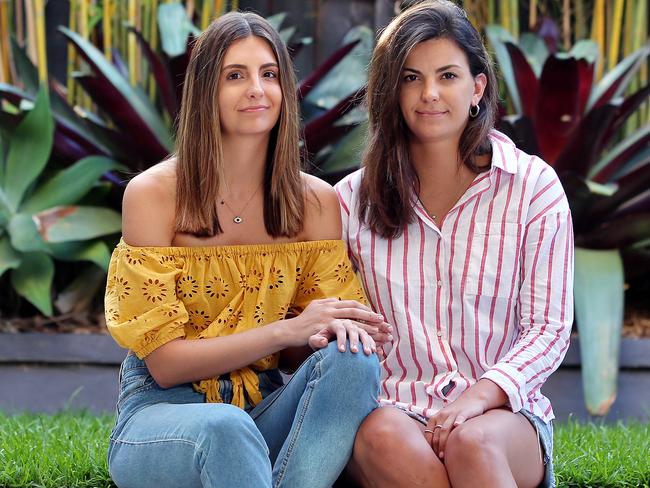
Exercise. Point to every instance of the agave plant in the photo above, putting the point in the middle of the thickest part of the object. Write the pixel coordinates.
(574, 125)
(39, 216)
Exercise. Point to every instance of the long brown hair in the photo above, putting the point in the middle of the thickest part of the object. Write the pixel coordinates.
(389, 183)
(200, 162)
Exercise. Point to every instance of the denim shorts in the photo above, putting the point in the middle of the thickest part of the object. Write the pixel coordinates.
(545, 435)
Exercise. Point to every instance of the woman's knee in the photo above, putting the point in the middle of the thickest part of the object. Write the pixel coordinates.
(357, 368)
(467, 442)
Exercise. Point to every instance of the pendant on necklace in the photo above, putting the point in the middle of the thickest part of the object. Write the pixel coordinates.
(237, 220)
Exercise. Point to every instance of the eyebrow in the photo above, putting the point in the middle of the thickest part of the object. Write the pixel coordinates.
(242, 66)
(442, 68)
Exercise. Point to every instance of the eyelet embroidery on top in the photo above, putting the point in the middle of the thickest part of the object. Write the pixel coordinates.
(342, 272)
(310, 283)
(259, 314)
(135, 257)
(187, 287)
(122, 288)
(154, 290)
(252, 281)
(199, 319)
(276, 278)
(217, 287)
(282, 311)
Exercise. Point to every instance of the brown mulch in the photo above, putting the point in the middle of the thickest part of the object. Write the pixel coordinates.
(74, 323)
(636, 324)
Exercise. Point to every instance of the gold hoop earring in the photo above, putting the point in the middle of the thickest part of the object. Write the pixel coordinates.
(474, 110)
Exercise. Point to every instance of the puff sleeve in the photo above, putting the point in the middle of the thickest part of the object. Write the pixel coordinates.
(143, 311)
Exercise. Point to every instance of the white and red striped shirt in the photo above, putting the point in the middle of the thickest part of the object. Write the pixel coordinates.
(489, 294)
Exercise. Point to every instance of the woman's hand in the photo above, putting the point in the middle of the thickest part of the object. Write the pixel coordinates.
(484, 395)
(322, 320)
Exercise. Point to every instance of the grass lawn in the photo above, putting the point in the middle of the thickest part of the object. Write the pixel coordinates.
(69, 450)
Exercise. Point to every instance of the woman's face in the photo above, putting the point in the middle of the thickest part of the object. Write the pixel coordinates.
(250, 96)
(437, 90)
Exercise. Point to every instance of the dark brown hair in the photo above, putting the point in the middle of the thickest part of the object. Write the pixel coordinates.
(200, 163)
(389, 183)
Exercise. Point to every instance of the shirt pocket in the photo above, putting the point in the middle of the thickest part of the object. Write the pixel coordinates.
(494, 259)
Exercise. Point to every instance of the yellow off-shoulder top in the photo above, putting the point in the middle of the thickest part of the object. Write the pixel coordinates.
(157, 294)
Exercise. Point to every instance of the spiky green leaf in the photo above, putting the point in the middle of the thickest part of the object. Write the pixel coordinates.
(9, 258)
(33, 280)
(29, 149)
(70, 184)
(24, 233)
(94, 251)
(63, 224)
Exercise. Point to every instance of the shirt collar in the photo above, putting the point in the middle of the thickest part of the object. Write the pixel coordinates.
(504, 152)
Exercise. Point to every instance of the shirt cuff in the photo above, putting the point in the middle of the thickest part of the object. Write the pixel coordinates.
(511, 381)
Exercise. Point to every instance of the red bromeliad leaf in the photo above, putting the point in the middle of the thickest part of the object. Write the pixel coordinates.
(639, 204)
(620, 154)
(628, 107)
(617, 79)
(320, 72)
(557, 111)
(629, 187)
(160, 73)
(124, 116)
(617, 233)
(527, 82)
(119, 87)
(582, 149)
(119, 63)
(321, 130)
(520, 129)
(586, 77)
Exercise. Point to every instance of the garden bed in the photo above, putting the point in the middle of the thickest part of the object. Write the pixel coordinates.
(45, 372)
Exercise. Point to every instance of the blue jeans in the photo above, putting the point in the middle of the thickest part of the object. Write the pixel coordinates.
(301, 435)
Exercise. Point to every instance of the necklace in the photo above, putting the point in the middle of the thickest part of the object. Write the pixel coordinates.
(463, 189)
(237, 216)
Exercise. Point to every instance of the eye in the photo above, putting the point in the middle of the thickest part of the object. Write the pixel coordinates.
(234, 75)
(448, 75)
(409, 78)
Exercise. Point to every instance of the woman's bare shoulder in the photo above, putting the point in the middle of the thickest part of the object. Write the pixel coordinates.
(322, 210)
(149, 205)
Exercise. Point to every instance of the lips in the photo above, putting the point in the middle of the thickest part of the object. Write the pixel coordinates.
(255, 108)
(431, 113)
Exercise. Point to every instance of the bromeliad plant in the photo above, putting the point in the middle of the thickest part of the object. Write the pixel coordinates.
(575, 125)
(40, 219)
(135, 129)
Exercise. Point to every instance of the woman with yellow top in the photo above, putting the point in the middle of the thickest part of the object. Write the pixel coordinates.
(230, 255)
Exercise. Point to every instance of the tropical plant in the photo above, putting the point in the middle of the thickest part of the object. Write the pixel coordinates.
(39, 215)
(575, 125)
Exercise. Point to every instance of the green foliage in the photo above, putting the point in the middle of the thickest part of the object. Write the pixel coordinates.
(39, 220)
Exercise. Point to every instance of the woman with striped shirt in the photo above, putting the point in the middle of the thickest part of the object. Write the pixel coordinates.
(464, 243)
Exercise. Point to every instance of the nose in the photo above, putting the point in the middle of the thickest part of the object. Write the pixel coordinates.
(255, 89)
(430, 92)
